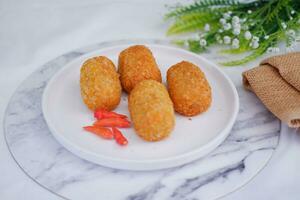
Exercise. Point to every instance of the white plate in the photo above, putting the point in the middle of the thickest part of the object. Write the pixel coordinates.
(191, 139)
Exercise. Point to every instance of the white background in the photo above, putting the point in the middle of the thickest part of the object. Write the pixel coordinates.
(33, 32)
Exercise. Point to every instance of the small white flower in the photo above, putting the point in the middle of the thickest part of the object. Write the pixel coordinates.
(236, 31)
(235, 41)
(227, 40)
(235, 20)
(236, 26)
(291, 18)
(207, 27)
(243, 20)
(284, 26)
(249, 11)
(203, 42)
(267, 37)
(293, 12)
(255, 39)
(273, 50)
(291, 33)
(220, 30)
(270, 50)
(226, 15)
(227, 26)
(235, 46)
(247, 35)
(223, 21)
(255, 45)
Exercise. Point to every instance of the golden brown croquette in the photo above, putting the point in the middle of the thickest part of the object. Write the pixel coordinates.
(151, 110)
(137, 63)
(99, 83)
(188, 89)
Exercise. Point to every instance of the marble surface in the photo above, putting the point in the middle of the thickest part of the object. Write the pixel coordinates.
(71, 24)
(245, 152)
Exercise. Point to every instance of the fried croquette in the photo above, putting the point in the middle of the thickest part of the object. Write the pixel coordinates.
(137, 63)
(151, 110)
(188, 89)
(99, 83)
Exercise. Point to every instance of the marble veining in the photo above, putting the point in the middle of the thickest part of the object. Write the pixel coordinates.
(237, 160)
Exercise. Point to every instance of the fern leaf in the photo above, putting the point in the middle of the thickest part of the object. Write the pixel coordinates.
(275, 11)
(191, 23)
(255, 54)
(234, 51)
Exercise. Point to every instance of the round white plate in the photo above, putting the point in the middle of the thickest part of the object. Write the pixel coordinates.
(191, 138)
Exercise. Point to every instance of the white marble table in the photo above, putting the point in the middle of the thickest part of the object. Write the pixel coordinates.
(63, 27)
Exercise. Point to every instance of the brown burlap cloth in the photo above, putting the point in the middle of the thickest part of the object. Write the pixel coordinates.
(276, 82)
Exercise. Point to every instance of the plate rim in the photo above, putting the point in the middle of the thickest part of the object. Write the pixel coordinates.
(135, 164)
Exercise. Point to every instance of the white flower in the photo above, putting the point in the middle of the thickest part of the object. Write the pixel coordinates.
(284, 26)
(267, 37)
(293, 12)
(236, 31)
(227, 39)
(243, 20)
(247, 35)
(255, 39)
(236, 26)
(227, 26)
(273, 50)
(206, 27)
(235, 20)
(203, 42)
(221, 30)
(291, 33)
(249, 11)
(226, 15)
(235, 41)
(235, 46)
(270, 50)
(223, 21)
(255, 45)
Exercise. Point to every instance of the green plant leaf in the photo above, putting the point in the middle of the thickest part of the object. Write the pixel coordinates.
(255, 54)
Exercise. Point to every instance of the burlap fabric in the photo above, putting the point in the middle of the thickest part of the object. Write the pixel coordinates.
(276, 82)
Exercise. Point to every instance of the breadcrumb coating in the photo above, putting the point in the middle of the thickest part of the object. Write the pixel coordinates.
(99, 83)
(188, 89)
(151, 110)
(137, 63)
